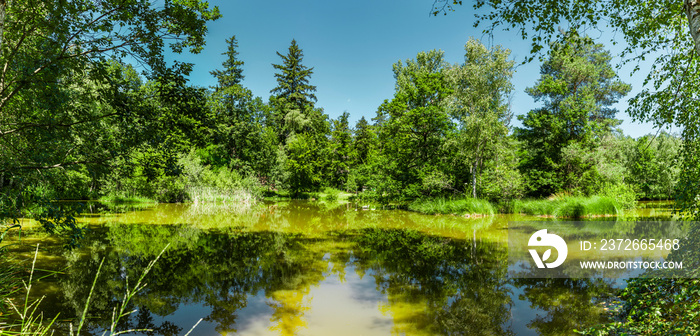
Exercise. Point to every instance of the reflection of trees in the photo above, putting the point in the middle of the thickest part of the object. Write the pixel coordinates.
(441, 274)
(568, 303)
(219, 270)
(461, 284)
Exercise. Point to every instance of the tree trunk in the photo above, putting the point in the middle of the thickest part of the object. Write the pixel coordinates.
(692, 11)
(3, 9)
(474, 180)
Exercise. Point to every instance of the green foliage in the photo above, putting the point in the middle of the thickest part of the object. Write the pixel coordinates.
(577, 87)
(665, 30)
(573, 206)
(68, 102)
(232, 75)
(624, 195)
(662, 303)
(216, 184)
(500, 178)
(341, 151)
(331, 194)
(416, 124)
(656, 306)
(364, 142)
(293, 96)
(35, 202)
(480, 104)
(305, 162)
(654, 166)
(534, 207)
(458, 206)
(238, 138)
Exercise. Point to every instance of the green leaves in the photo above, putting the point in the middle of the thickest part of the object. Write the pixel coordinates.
(416, 121)
(577, 87)
(480, 104)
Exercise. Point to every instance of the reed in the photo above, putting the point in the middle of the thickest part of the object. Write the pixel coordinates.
(32, 322)
(457, 206)
(569, 206)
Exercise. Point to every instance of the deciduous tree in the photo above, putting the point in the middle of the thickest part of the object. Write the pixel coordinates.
(481, 104)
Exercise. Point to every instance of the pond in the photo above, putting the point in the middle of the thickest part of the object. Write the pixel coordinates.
(306, 268)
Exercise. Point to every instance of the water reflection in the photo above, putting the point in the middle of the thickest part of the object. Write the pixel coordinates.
(299, 268)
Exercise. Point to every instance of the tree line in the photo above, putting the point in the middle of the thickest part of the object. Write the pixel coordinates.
(445, 132)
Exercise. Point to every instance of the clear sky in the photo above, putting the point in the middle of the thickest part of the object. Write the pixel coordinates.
(352, 45)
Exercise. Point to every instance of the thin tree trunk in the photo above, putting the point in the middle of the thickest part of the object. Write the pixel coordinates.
(692, 11)
(3, 9)
(474, 180)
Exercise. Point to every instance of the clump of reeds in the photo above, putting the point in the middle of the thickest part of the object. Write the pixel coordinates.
(220, 195)
(569, 206)
(457, 206)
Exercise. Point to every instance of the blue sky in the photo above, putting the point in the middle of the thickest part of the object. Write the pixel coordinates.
(352, 45)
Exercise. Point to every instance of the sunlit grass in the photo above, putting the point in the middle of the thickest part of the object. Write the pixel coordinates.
(220, 195)
(458, 206)
(569, 207)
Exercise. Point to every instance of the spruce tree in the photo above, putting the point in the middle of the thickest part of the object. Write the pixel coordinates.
(293, 97)
(341, 148)
(293, 79)
(237, 133)
(364, 140)
(232, 74)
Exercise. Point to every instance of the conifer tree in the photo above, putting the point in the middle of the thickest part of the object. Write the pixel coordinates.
(232, 74)
(293, 97)
(238, 133)
(341, 148)
(364, 140)
(578, 86)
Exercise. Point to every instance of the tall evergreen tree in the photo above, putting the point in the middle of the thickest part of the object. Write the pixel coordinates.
(577, 86)
(293, 97)
(232, 74)
(238, 133)
(363, 142)
(341, 147)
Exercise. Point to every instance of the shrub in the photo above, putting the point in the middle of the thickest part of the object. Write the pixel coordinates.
(331, 194)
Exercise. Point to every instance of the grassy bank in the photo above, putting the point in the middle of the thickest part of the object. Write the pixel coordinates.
(457, 206)
(570, 207)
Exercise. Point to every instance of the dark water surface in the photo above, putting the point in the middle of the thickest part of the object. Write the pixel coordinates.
(307, 268)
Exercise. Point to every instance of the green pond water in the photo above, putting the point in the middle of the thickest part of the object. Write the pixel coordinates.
(306, 268)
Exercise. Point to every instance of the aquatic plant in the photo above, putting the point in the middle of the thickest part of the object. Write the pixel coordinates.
(571, 206)
(458, 206)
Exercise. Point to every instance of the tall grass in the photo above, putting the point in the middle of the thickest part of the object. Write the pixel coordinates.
(201, 194)
(458, 206)
(570, 206)
(32, 323)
